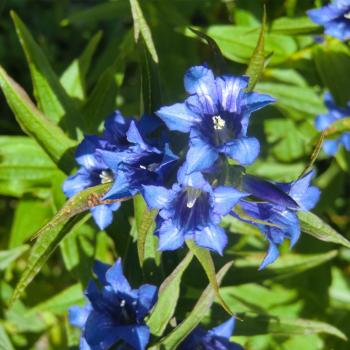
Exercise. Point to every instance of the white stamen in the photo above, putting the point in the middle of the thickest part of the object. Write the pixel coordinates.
(347, 15)
(122, 303)
(143, 167)
(106, 176)
(218, 122)
(190, 204)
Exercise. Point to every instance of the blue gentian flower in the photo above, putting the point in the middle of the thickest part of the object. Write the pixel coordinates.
(335, 17)
(92, 172)
(281, 215)
(323, 121)
(137, 165)
(191, 209)
(115, 312)
(216, 114)
(215, 339)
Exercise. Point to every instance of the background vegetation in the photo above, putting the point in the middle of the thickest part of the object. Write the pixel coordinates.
(78, 61)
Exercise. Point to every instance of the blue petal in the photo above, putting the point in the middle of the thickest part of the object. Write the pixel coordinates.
(113, 159)
(134, 136)
(200, 80)
(103, 215)
(170, 237)
(345, 139)
(265, 190)
(115, 129)
(212, 237)
(243, 150)
(136, 336)
(76, 183)
(195, 179)
(200, 155)
(254, 101)
(323, 121)
(338, 29)
(85, 153)
(120, 188)
(271, 256)
(225, 330)
(330, 147)
(83, 345)
(324, 14)
(147, 296)
(78, 315)
(230, 92)
(157, 196)
(178, 117)
(100, 331)
(100, 269)
(116, 278)
(310, 198)
(225, 198)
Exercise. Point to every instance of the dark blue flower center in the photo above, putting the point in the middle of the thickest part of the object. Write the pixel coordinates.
(192, 209)
(220, 128)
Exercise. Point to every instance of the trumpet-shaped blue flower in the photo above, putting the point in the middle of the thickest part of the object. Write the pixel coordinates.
(115, 312)
(335, 17)
(92, 172)
(216, 114)
(280, 216)
(214, 339)
(323, 121)
(191, 209)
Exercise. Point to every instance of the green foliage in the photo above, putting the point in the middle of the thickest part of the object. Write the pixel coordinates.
(81, 62)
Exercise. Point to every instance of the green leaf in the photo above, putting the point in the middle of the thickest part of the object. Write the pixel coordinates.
(48, 135)
(238, 43)
(297, 102)
(246, 266)
(265, 324)
(151, 91)
(101, 101)
(24, 165)
(335, 54)
(53, 232)
(97, 13)
(175, 337)
(5, 343)
(60, 302)
(257, 61)
(168, 296)
(205, 259)
(294, 26)
(141, 27)
(215, 49)
(73, 78)
(51, 96)
(144, 226)
(8, 256)
(316, 227)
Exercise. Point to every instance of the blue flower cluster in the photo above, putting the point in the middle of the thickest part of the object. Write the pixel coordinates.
(323, 121)
(335, 17)
(115, 313)
(191, 204)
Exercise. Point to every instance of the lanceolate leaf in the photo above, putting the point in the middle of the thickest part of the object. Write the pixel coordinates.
(141, 27)
(257, 61)
(316, 227)
(205, 259)
(48, 135)
(168, 296)
(265, 324)
(144, 221)
(73, 78)
(5, 342)
(174, 338)
(53, 232)
(52, 98)
(246, 267)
